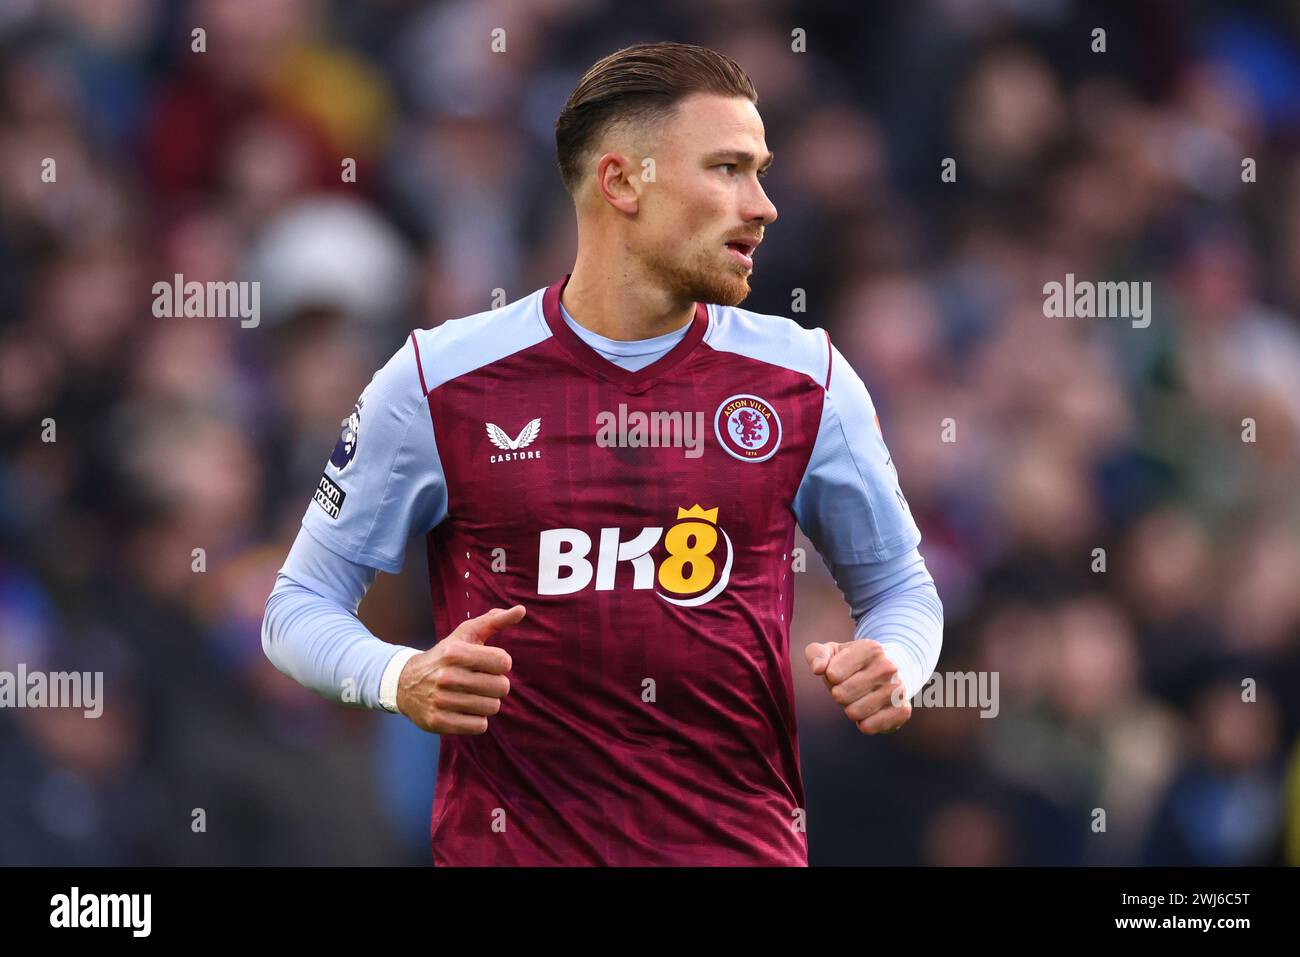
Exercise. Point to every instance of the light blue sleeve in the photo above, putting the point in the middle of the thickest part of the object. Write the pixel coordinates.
(851, 507)
(384, 481)
(310, 630)
(849, 503)
(896, 603)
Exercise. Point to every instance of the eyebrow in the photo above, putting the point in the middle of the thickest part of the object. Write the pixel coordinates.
(743, 156)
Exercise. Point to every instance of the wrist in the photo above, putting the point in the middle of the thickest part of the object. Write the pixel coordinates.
(392, 674)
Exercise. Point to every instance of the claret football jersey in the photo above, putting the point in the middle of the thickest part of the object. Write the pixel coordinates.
(646, 520)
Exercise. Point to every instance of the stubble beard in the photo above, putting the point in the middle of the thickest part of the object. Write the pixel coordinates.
(699, 280)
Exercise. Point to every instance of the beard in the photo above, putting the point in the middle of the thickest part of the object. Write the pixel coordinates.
(702, 279)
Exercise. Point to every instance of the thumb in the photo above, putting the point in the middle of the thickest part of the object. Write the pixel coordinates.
(819, 655)
(480, 629)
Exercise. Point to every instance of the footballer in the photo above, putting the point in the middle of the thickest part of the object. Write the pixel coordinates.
(608, 473)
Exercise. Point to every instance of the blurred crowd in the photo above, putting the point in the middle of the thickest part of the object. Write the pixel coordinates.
(1111, 513)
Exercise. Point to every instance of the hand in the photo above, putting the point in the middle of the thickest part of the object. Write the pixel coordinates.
(458, 683)
(864, 682)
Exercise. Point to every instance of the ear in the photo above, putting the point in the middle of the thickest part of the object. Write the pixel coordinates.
(619, 182)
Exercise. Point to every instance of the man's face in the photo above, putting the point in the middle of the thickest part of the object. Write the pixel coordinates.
(698, 222)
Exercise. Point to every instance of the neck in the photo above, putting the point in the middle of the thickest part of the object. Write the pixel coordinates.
(615, 300)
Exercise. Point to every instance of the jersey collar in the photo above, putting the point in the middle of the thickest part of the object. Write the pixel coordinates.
(602, 368)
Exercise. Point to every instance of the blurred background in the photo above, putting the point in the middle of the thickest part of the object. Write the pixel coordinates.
(1119, 690)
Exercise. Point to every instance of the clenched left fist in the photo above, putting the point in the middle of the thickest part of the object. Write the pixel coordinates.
(864, 682)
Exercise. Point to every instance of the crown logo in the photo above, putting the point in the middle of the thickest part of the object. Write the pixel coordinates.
(698, 511)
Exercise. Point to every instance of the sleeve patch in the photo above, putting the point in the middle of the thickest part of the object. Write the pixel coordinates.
(329, 497)
(349, 434)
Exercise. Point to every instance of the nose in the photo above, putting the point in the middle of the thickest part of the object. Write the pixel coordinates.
(758, 207)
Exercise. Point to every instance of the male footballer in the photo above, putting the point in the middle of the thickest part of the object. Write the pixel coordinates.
(608, 473)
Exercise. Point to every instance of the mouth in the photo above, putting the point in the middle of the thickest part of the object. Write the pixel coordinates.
(743, 251)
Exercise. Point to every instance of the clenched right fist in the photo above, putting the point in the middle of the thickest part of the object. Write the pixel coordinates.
(455, 686)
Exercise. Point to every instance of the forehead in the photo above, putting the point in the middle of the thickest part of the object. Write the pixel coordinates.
(707, 121)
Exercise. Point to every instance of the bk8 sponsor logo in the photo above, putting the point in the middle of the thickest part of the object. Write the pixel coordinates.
(695, 571)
